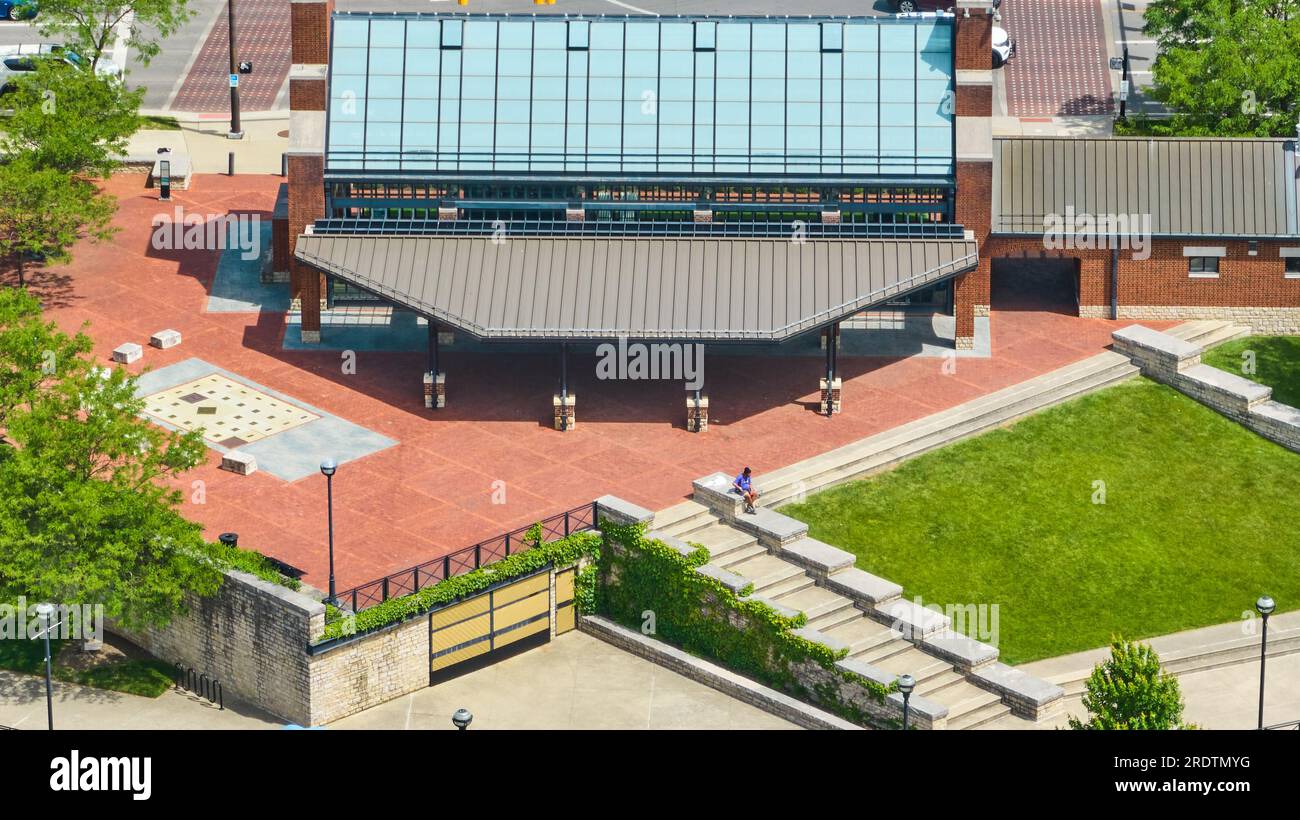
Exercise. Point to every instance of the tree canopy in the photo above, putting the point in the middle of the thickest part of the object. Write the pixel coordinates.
(89, 27)
(69, 119)
(86, 513)
(1129, 690)
(1227, 67)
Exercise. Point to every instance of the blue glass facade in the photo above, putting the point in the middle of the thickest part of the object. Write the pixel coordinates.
(491, 96)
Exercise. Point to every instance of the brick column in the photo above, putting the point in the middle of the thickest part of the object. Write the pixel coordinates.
(973, 62)
(435, 390)
(697, 414)
(566, 417)
(308, 97)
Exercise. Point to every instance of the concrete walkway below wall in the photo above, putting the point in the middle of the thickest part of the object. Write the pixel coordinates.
(22, 706)
(1216, 666)
(574, 682)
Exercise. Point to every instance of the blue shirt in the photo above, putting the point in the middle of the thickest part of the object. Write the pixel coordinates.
(742, 481)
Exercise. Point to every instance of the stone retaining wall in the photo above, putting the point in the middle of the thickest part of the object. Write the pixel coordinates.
(252, 636)
(255, 638)
(1177, 363)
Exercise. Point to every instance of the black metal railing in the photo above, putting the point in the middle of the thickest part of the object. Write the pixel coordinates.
(1291, 724)
(636, 229)
(481, 554)
(201, 684)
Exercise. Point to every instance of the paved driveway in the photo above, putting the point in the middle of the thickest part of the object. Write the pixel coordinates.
(574, 682)
(1060, 67)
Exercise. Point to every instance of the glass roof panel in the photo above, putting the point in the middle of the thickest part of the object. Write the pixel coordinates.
(609, 95)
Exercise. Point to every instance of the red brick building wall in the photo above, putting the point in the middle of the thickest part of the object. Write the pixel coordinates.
(306, 94)
(1162, 281)
(310, 27)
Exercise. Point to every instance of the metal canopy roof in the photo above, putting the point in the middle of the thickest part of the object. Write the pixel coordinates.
(616, 95)
(1189, 187)
(715, 289)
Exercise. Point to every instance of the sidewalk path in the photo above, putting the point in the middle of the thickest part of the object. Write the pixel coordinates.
(262, 36)
(22, 706)
(574, 682)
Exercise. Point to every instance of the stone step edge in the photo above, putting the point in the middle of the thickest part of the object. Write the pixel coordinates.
(940, 423)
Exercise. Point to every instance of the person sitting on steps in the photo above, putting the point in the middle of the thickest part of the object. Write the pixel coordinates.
(745, 486)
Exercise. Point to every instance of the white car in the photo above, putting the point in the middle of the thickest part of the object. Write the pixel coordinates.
(1004, 48)
(16, 60)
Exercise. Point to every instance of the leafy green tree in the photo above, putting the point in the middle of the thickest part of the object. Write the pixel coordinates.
(89, 27)
(1131, 691)
(86, 514)
(44, 212)
(70, 120)
(1227, 67)
(32, 352)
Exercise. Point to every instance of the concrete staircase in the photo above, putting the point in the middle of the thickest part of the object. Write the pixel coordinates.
(864, 613)
(1208, 332)
(863, 623)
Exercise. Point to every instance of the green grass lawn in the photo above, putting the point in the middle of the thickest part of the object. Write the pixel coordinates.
(1277, 363)
(148, 678)
(1199, 519)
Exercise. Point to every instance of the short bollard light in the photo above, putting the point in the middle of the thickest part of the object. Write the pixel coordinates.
(461, 719)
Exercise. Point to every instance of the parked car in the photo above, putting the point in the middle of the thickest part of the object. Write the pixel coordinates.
(17, 9)
(16, 60)
(1004, 48)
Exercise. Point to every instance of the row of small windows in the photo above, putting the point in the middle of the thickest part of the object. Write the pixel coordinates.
(639, 193)
(633, 215)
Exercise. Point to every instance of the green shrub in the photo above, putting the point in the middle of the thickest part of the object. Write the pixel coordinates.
(1129, 690)
(557, 553)
(640, 578)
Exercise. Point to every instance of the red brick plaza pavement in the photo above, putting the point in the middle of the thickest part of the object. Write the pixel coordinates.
(432, 493)
(1060, 67)
(262, 36)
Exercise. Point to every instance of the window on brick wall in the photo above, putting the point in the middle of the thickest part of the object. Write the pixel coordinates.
(1203, 266)
(1293, 267)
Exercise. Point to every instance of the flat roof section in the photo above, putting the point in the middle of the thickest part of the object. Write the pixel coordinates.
(1244, 188)
(616, 95)
(722, 290)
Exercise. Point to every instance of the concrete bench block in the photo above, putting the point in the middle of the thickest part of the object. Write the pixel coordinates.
(1028, 696)
(622, 512)
(912, 619)
(820, 558)
(964, 653)
(1220, 388)
(863, 587)
(127, 353)
(780, 608)
(923, 712)
(237, 462)
(1155, 352)
(164, 339)
(678, 545)
(832, 643)
(772, 529)
(714, 492)
(866, 670)
(730, 580)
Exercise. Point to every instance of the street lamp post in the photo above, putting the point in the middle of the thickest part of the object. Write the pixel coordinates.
(45, 617)
(905, 685)
(1265, 607)
(235, 131)
(328, 468)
